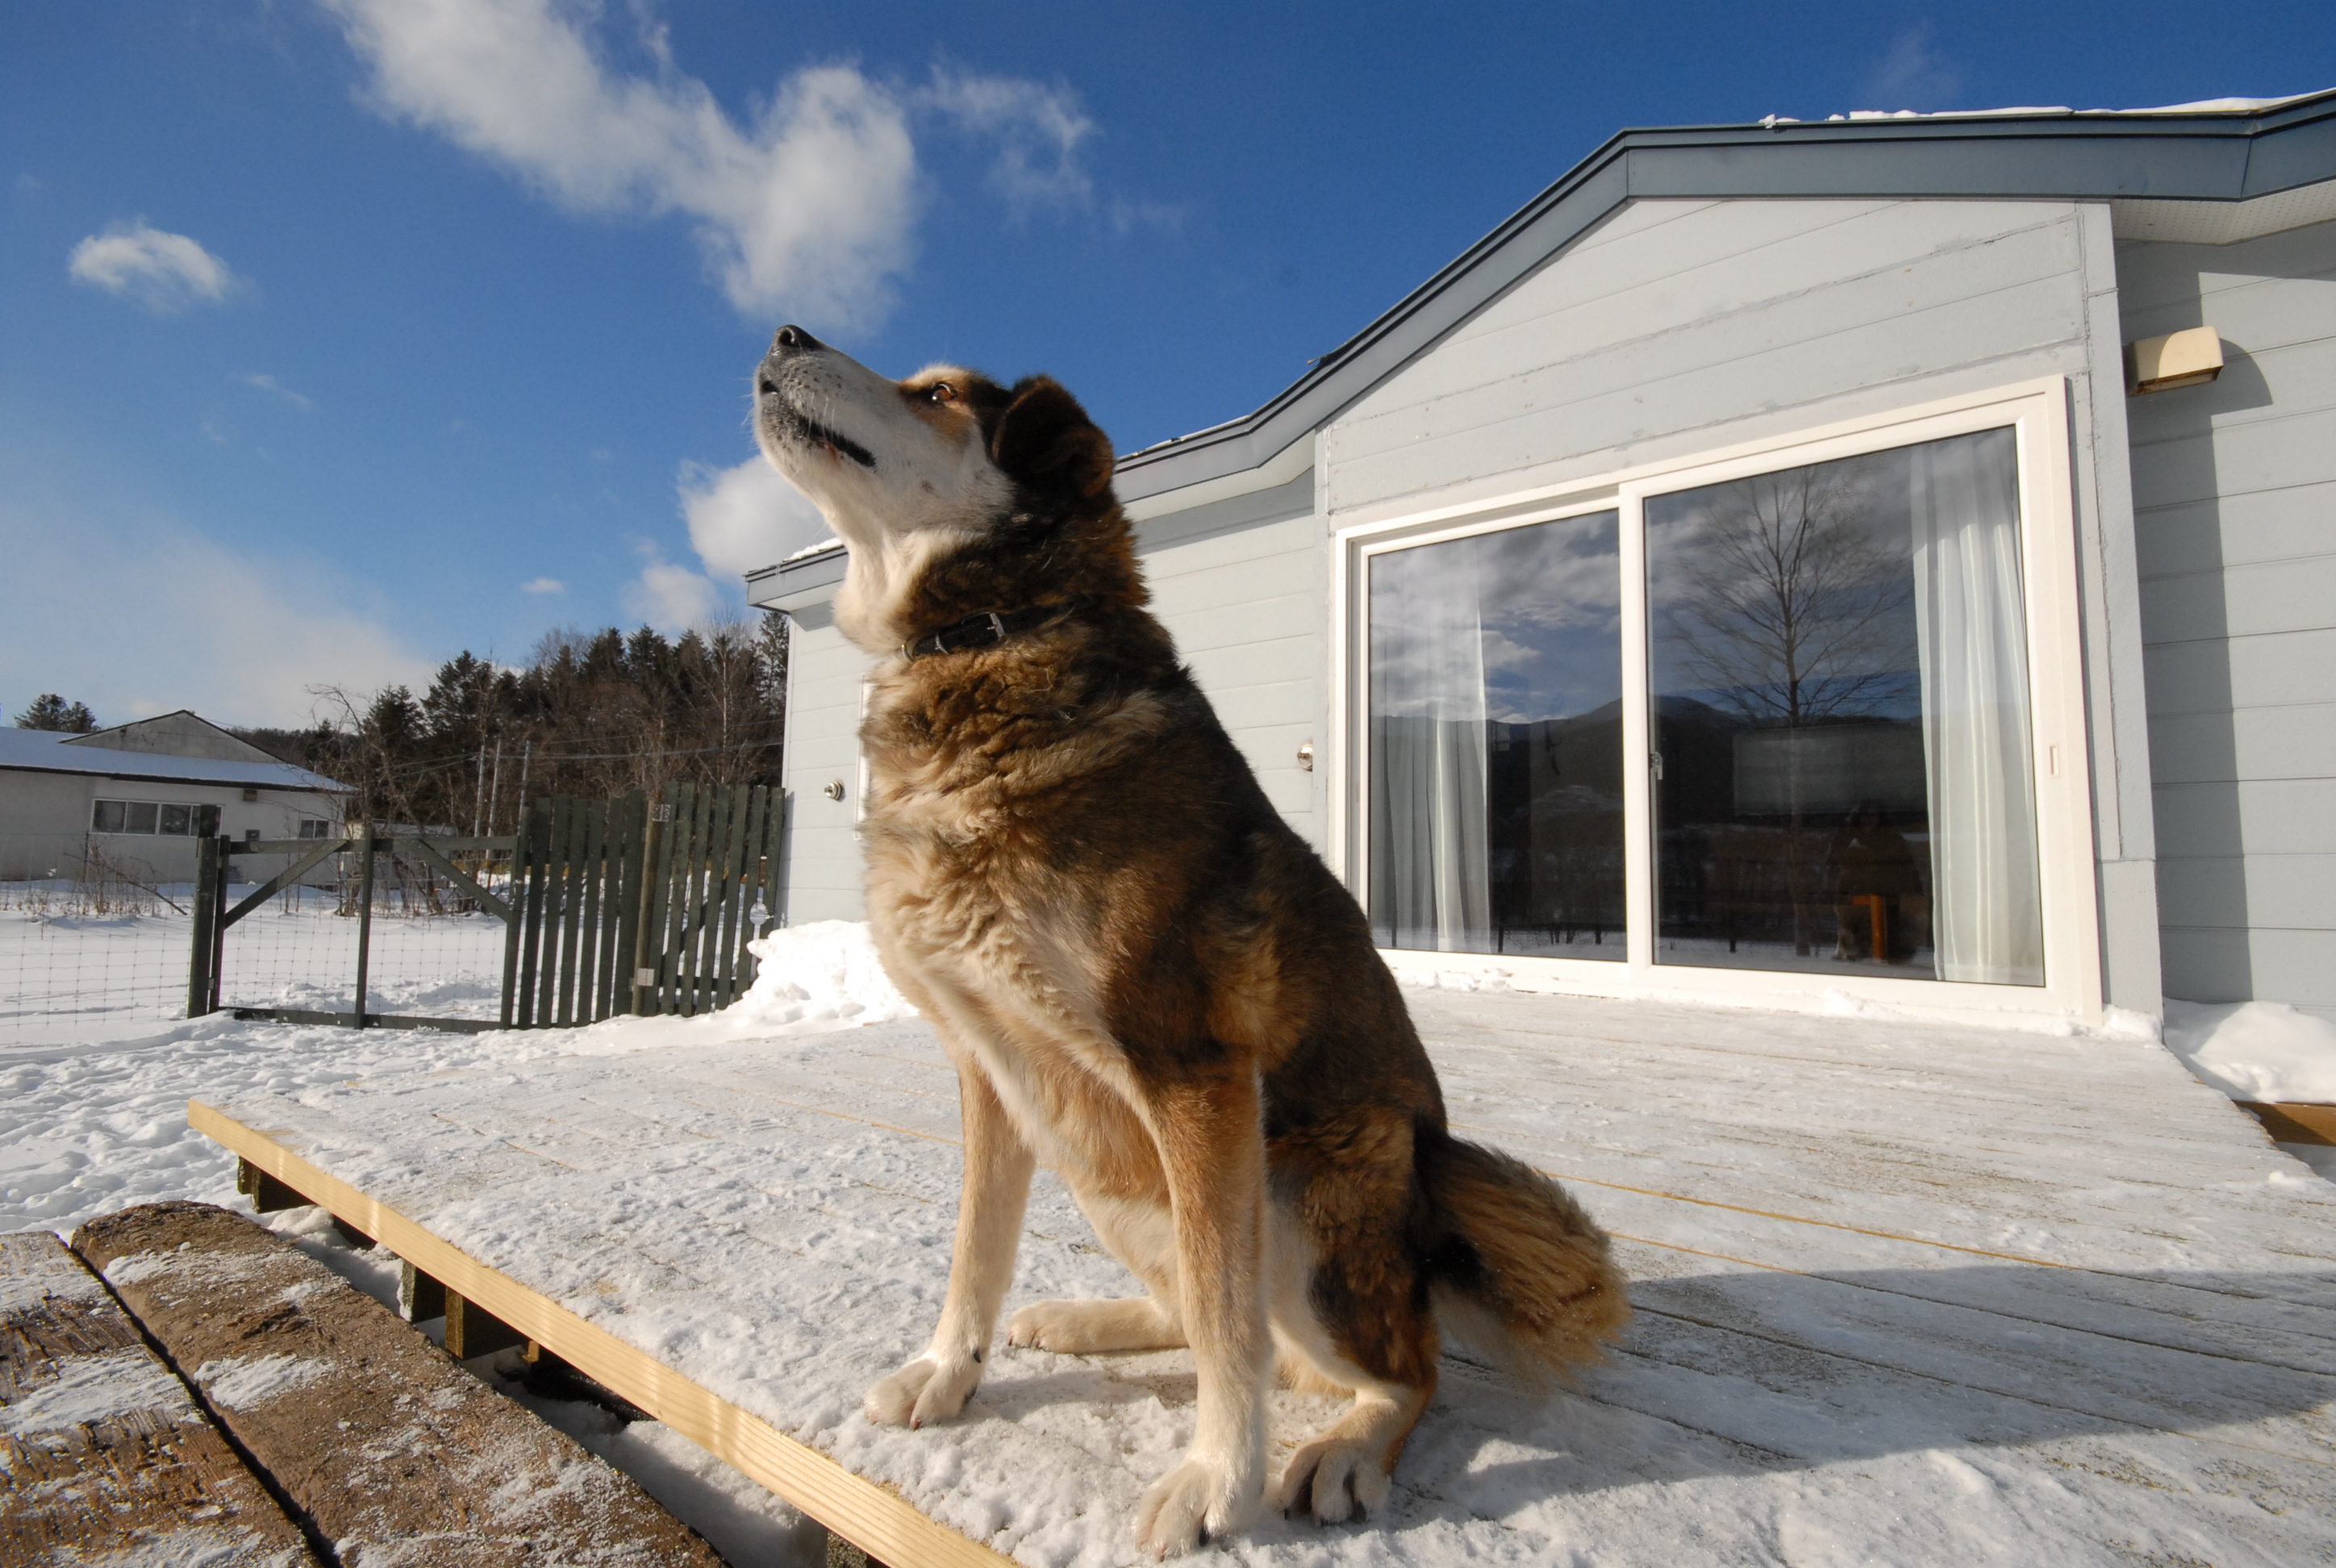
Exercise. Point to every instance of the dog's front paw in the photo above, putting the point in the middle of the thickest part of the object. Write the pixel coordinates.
(926, 1390)
(1088, 1327)
(1333, 1481)
(1198, 1500)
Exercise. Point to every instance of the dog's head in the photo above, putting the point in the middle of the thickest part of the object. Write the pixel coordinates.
(907, 471)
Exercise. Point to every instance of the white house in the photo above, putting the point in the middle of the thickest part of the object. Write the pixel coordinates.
(1788, 563)
(130, 795)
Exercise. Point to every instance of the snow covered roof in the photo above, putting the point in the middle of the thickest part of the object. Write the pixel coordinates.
(2207, 173)
(46, 751)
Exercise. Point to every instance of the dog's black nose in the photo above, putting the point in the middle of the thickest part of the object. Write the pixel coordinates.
(795, 340)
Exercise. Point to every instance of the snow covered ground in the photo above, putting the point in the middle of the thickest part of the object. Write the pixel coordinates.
(1907, 1291)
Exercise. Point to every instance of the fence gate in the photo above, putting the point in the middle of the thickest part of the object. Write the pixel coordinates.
(622, 907)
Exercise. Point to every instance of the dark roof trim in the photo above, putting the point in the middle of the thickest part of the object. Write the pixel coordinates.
(2053, 153)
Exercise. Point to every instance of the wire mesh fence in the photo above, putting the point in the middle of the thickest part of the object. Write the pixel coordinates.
(92, 939)
(594, 908)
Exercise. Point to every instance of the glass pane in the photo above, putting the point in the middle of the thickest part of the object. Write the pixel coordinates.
(1496, 743)
(138, 817)
(106, 818)
(1839, 661)
(180, 819)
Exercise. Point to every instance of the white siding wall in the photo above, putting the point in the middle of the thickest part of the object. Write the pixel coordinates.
(1680, 326)
(824, 872)
(1244, 586)
(2235, 491)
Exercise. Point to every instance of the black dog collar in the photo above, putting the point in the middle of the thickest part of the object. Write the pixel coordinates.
(982, 631)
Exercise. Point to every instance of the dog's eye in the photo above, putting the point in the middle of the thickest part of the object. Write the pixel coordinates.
(941, 392)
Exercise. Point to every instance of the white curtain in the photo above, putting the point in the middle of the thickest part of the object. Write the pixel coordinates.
(1431, 882)
(1987, 913)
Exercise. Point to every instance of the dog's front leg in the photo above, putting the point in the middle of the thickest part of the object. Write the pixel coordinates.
(1212, 1148)
(998, 1165)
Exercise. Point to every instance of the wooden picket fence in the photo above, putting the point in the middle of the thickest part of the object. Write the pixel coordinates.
(623, 907)
(612, 906)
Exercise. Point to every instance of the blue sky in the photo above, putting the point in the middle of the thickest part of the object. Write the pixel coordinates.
(341, 337)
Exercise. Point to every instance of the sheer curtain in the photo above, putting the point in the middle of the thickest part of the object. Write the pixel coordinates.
(1431, 884)
(1987, 914)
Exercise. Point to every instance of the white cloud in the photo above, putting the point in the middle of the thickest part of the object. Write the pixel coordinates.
(1913, 74)
(673, 599)
(543, 585)
(264, 382)
(163, 271)
(808, 211)
(189, 623)
(739, 519)
(745, 517)
(1038, 131)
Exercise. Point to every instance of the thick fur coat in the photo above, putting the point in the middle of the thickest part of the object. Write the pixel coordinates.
(1146, 980)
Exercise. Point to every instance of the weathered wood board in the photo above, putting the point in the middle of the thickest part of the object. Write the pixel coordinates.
(394, 1453)
(1906, 1292)
(103, 1454)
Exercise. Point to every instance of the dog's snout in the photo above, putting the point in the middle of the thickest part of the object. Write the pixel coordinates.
(795, 340)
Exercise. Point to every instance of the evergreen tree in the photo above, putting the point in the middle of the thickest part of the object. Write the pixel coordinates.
(49, 711)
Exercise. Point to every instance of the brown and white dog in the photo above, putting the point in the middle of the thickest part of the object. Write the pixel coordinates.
(1146, 980)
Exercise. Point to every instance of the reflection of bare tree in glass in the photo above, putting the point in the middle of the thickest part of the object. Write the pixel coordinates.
(1789, 610)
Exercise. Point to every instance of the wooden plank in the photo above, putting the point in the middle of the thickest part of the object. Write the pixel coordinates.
(103, 1456)
(878, 1521)
(535, 848)
(2292, 1124)
(472, 1331)
(722, 937)
(559, 911)
(369, 1430)
(689, 830)
(655, 950)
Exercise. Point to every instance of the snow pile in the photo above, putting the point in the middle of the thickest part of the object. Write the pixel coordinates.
(825, 972)
(2266, 1052)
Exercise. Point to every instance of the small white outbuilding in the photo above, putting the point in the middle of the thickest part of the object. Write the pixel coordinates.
(127, 797)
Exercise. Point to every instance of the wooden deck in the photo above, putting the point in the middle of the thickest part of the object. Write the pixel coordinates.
(1907, 1293)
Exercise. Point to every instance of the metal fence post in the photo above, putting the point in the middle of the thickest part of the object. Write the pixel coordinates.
(364, 919)
(211, 895)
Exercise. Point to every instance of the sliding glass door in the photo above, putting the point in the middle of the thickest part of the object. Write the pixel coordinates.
(1496, 743)
(1836, 713)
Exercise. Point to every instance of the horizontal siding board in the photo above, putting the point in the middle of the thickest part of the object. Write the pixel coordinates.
(1231, 548)
(1251, 706)
(2037, 316)
(1283, 619)
(2235, 892)
(1286, 572)
(2235, 531)
(1686, 250)
(2257, 313)
(2269, 385)
(2273, 454)
(2280, 743)
(2215, 675)
(2152, 278)
(1556, 367)
(2296, 967)
(2259, 599)
(2291, 816)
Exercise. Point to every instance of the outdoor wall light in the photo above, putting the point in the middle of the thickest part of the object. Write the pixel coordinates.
(834, 790)
(2190, 358)
(1306, 756)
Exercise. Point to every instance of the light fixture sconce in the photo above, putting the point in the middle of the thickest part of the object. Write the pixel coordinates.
(1306, 756)
(834, 790)
(2190, 358)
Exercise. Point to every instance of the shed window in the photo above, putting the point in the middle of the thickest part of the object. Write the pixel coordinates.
(171, 818)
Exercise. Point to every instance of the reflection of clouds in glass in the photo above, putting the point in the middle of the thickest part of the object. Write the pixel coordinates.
(1518, 625)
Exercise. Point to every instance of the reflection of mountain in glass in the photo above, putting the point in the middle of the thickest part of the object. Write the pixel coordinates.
(1495, 686)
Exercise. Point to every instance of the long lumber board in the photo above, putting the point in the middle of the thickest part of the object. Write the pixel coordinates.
(877, 1521)
(104, 1453)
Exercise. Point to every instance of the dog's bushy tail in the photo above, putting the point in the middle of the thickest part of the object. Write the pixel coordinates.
(1522, 1277)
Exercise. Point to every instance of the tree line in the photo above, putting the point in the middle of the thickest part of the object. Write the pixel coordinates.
(592, 713)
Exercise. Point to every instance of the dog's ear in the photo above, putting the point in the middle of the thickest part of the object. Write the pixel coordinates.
(1045, 440)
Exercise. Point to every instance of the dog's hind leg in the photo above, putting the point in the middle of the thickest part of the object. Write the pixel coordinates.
(1142, 1236)
(1348, 1468)
(997, 1167)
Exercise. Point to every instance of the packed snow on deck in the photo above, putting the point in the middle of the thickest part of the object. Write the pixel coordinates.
(85, 1129)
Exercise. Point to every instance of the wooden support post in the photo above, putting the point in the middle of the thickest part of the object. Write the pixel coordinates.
(267, 1193)
(472, 1332)
(210, 903)
(2291, 1124)
(420, 1297)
